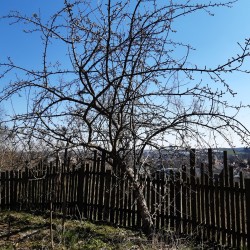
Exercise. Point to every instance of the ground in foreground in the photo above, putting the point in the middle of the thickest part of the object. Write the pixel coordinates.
(19, 230)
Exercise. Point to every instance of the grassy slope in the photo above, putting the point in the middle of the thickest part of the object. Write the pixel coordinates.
(20, 230)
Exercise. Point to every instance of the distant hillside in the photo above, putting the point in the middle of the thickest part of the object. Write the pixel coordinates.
(237, 151)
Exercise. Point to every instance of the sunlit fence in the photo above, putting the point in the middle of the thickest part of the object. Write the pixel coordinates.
(204, 207)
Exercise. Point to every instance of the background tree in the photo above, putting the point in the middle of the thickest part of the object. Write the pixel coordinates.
(124, 85)
(10, 157)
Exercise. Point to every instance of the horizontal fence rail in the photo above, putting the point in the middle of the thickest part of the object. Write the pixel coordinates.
(215, 209)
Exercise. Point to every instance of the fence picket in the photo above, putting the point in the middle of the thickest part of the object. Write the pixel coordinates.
(217, 210)
(107, 195)
(101, 187)
(86, 191)
(211, 193)
(184, 200)
(237, 211)
(163, 200)
(247, 185)
(222, 201)
(3, 191)
(232, 206)
(113, 197)
(242, 209)
(93, 177)
(171, 202)
(207, 205)
(177, 203)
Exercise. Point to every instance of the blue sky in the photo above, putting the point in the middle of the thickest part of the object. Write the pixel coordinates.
(215, 38)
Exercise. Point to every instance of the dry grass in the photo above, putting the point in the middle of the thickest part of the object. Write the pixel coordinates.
(20, 230)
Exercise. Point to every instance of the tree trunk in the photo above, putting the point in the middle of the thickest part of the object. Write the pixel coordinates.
(147, 222)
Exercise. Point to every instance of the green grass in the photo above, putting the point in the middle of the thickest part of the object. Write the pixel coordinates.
(20, 230)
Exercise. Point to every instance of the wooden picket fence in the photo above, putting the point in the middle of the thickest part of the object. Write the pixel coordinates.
(202, 207)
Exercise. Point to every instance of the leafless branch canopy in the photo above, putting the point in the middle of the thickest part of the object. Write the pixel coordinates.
(123, 83)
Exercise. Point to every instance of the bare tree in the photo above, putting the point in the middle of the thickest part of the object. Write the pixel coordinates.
(10, 158)
(121, 87)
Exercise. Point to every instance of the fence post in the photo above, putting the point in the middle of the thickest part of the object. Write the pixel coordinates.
(172, 196)
(247, 187)
(227, 201)
(193, 189)
(184, 199)
(86, 192)
(232, 206)
(242, 208)
(80, 177)
(106, 212)
(101, 187)
(211, 194)
(113, 194)
(177, 202)
(222, 200)
(3, 189)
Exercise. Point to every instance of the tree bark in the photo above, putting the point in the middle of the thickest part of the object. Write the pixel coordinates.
(147, 222)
